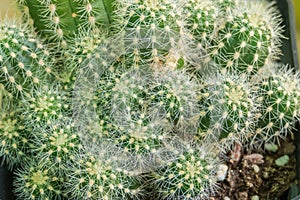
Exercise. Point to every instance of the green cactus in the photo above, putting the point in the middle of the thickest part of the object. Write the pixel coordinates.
(279, 95)
(57, 143)
(91, 177)
(60, 20)
(37, 181)
(228, 109)
(25, 62)
(248, 39)
(190, 175)
(13, 137)
(149, 29)
(45, 104)
(174, 95)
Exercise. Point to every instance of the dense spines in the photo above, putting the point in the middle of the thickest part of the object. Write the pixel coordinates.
(228, 110)
(14, 142)
(248, 39)
(37, 181)
(279, 96)
(190, 175)
(149, 29)
(24, 60)
(93, 178)
(201, 20)
(174, 95)
(45, 104)
(56, 144)
(60, 20)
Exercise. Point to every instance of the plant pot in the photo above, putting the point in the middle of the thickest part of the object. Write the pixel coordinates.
(290, 56)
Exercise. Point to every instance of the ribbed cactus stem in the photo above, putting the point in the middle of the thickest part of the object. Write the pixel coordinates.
(24, 60)
(59, 20)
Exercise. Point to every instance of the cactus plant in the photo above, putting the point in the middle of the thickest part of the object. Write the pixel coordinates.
(13, 136)
(94, 178)
(149, 29)
(44, 104)
(56, 144)
(37, 181)
(248, 39)
(25, 62)
(228, 110)
(190, 175)
(174, 95)
(279, 95)
(60, 20)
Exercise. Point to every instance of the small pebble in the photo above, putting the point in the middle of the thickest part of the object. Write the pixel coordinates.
(255, 168)
(222, 172)
(255, 197)
(271, 147)
(281, 161)
(226, 198)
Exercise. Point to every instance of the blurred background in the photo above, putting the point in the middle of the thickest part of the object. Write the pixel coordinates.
(9, 8)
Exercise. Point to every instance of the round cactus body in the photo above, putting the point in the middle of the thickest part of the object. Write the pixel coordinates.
(57, 143)
(150, 29)
(43, 105)
(248, 39)
(59, 20)
(13, 139)
(37, 181)
(92, 178)
(279, 95)
(228, 110)
(174, 95)
(24, 61)
(191, 175)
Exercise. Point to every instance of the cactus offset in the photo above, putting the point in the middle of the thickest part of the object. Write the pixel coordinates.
(279, 95)
(248, 39)
(24, 61)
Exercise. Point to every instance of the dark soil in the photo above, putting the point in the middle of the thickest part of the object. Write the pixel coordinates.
(254, 175)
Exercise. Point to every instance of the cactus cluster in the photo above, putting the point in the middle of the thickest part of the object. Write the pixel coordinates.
(122, 98)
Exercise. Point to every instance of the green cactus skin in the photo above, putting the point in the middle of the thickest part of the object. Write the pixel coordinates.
(228, 109)
(25, 62)
(13, 137)
(37, 181)
(59, 19)
(248, 39)
(191, 175)
(45, 104)
(93, 178)
(279, 95)
(201, 20)
(149, 29)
